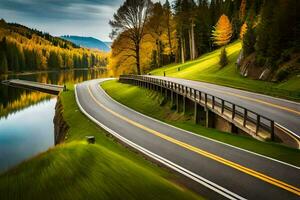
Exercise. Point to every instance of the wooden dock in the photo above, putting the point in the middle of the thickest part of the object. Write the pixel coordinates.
(42, 87)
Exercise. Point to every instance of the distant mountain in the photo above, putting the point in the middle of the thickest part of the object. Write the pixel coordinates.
(108, 44)
(88, 42)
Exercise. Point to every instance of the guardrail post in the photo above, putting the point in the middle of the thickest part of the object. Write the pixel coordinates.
(272, 131)
(245, 117)
(233, 111)
(257, 123)
(222, 106)
(200, 95)
(205, 99)
(213, 102)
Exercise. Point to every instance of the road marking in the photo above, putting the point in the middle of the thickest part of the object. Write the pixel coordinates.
(189, 174)
(201, 136)
(219, 159)
(254, 99)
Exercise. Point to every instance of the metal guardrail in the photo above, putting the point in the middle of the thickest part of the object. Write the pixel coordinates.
(215, 103)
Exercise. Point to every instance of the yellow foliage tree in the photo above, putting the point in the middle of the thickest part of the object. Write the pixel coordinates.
(243, 30)
(222, 32)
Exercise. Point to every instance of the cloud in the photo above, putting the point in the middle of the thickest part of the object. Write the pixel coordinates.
(63, 17)
(59, 17)
(59, 9)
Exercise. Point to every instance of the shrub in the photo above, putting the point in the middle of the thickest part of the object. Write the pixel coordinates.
(282, 74)
(223, 58)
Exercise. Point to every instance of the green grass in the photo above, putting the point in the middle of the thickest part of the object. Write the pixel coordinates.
(207, 69)
(77, 170)
(148, 103)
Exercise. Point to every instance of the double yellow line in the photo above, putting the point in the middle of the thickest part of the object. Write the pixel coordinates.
(219, 159)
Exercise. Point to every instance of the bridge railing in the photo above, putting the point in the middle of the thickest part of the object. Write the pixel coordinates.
(221, 106)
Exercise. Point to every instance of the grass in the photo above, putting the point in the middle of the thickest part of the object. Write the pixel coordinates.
(77, 170)
(148, 103)
(207, 69)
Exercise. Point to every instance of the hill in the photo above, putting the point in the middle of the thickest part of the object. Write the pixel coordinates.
(207, 69)
(25, 49)
(87, 42)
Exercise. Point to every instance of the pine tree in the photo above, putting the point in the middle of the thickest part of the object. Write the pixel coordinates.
(223, 58)
(249, 40)
(263, 29)
(3, 63)
(222, 32)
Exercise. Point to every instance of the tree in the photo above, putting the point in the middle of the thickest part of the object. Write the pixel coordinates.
(222, 32)
(155, 27)
(3, 63)
(249, 39)
(243, 30)
(130, 20)
(242, 13)
(263, 28)
(223, 58)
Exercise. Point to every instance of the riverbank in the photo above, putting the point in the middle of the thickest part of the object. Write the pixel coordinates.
(153, 105)
(78, 170)
(207, 69)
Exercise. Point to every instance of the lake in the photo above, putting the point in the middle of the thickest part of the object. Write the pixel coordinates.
(26, 117)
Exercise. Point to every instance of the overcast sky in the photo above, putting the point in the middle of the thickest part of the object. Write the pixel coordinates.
(63, 17)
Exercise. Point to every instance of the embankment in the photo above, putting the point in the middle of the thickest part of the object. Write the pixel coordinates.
(61, 127)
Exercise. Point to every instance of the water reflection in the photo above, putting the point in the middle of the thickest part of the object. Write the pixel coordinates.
(14, 99)
(26, 117)
(24, 134)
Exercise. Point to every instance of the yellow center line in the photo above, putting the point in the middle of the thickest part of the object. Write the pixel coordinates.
(255, 100)
(219, 159)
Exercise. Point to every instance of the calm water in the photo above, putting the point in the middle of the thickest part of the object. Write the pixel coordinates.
(26, 117)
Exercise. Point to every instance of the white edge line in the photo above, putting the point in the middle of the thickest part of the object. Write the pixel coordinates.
(218, 189)
(251, 152)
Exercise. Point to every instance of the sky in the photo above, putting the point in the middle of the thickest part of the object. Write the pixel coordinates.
(63, 17)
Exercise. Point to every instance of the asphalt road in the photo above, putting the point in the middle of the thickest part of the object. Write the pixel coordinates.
(227, 171)
(284, 112)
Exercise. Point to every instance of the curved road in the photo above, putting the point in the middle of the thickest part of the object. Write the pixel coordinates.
(226, 171)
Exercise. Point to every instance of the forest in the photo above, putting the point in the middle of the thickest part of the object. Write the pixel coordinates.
(150, 35)
(23, 49)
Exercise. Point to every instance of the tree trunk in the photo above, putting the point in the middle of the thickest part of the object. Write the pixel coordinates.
(182, 50)
(158, 56)
(169, 38)
(137, 52)
(193, 41)
(191, 45)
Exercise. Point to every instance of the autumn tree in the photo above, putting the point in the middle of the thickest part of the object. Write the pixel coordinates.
(243, 30)
(222, 31)
(130, 19)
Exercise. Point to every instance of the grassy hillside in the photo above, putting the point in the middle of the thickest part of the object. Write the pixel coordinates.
(131, 96)
(77, 170)
(206, 68)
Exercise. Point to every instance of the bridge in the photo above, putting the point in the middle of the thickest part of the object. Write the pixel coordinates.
(216, 112)
(42, 87)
